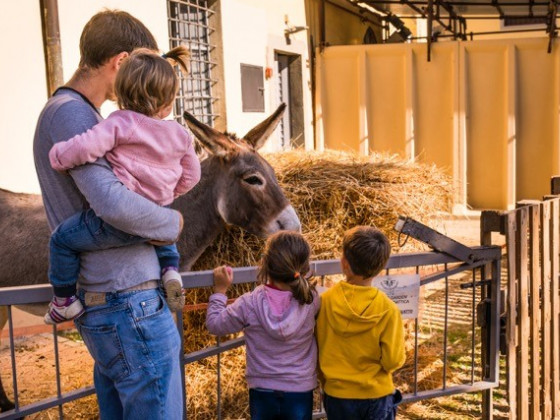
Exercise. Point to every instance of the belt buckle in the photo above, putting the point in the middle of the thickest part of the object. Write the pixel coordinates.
(95, 298)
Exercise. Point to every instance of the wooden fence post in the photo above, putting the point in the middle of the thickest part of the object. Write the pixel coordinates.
(534, 310)
(536, 323)
(555, 289)
(511, 305)
(546, 405)
(490, 221)
(523, 326)
(555, 185)
(528, 288)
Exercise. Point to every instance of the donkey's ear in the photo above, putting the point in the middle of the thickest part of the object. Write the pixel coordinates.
(258, 135)
(212, 140)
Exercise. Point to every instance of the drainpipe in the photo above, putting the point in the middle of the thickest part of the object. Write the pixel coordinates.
(322, 26)
(51, 44)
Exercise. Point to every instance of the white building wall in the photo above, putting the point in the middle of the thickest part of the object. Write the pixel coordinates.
(24, 90)
(73, 15)
(23, 78)
(252, 31)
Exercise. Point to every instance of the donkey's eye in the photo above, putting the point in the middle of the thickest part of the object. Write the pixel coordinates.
(253, 180)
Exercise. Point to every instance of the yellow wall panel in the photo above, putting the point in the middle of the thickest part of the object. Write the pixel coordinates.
(385, 99)
(435, 104)
(488, 112)
(536, 126)
(486, 98)
(342, 26)
(340, 94)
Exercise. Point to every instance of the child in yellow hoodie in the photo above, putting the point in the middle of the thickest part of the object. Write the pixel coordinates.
(360, 334)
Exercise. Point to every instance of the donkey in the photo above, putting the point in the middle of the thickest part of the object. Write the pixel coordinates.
(237, 187)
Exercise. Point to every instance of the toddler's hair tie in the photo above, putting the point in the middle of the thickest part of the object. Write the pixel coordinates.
(296, 275)
(164, 55)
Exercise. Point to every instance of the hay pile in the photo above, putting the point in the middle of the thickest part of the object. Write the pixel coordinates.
(334, 191)
(331, 192)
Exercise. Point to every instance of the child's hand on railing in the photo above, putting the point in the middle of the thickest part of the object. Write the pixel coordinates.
(223, 277)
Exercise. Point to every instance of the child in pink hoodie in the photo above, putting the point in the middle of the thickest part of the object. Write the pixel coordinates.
(151, 156)
(278, 320)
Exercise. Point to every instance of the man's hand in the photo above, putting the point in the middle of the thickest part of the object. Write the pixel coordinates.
(223, 277)
(162, 243)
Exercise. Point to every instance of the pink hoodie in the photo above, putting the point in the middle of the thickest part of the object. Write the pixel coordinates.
(281, 347)
(154, 158)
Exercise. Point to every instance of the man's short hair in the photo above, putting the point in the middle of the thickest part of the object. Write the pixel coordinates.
(366, 249)
(109, 33)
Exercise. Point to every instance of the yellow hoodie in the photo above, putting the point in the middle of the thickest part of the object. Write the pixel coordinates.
(361, 342)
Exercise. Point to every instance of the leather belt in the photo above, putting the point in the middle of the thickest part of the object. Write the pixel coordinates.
(100, 298)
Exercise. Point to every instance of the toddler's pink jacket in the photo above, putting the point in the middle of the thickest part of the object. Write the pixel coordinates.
(154, 158)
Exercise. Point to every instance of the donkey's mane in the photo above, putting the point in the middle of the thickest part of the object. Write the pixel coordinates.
(232, 136)
(199, 149)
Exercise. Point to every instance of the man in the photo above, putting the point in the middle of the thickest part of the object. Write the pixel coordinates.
(127, 326)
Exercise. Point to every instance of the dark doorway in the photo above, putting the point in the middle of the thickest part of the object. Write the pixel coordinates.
(290, 91)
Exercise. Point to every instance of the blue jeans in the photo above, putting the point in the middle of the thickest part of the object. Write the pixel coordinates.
(84, 232)
(136, 348)
(267, 404)
(384, 408)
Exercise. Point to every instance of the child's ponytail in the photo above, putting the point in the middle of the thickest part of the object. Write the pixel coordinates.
(180, 55)
(302, 289)
(286, 260)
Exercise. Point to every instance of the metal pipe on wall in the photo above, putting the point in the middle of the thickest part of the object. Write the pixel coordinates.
(551, 25)
(430, 13)
(51, 44)
(322, 25)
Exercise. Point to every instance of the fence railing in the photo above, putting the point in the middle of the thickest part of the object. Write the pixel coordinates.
(532, 304)
(448, 272)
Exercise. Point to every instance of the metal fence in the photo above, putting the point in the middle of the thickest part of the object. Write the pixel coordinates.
(478, 277)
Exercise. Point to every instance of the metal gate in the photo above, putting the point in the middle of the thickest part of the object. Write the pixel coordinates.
(452, 267)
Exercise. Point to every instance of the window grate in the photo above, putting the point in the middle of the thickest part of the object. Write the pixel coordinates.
(188, 22)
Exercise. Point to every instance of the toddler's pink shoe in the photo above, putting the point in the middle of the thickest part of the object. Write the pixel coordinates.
(63, 309)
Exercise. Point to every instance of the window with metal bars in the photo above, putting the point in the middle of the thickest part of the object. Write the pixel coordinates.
(189, 26)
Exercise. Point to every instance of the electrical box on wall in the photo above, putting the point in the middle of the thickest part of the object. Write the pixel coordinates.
(252, 88)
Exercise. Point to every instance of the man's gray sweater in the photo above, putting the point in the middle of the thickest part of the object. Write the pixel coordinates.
(95, 185)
